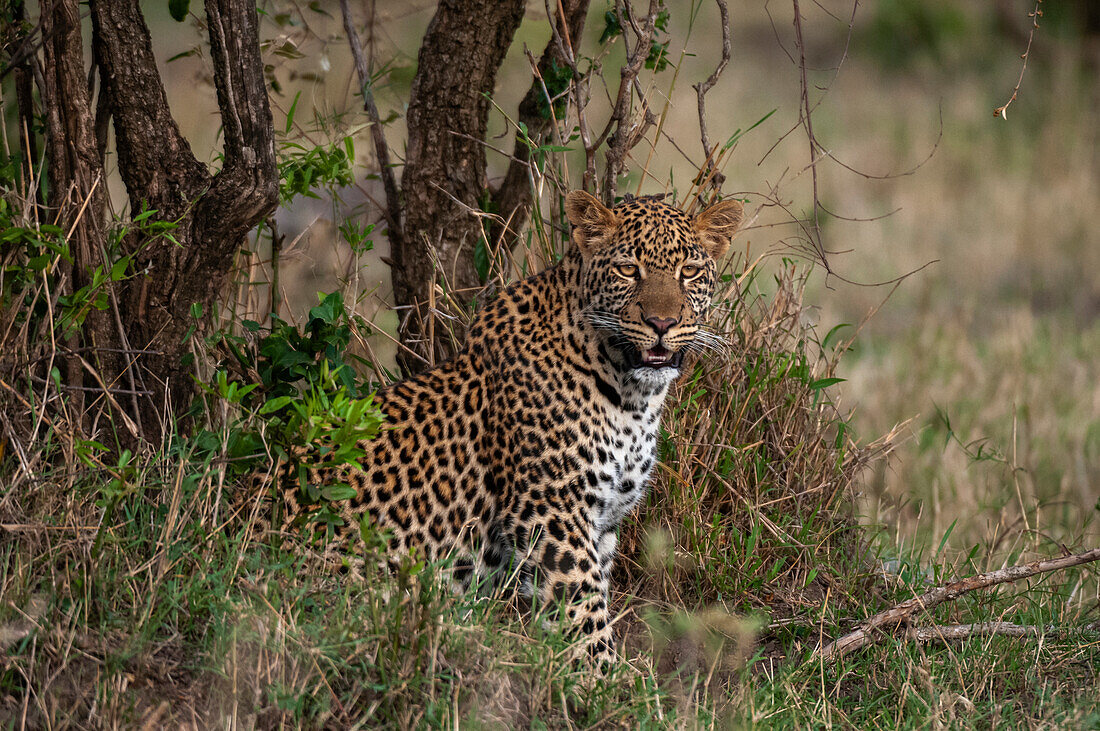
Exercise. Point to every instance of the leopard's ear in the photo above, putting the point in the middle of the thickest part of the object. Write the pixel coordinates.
(717, 225)
(594, 224)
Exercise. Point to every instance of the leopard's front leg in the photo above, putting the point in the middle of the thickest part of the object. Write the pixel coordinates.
(567, 557)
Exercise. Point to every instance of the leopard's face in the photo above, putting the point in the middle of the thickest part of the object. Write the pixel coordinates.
(648, 277)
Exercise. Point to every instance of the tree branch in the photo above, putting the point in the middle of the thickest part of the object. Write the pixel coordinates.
(625, 135)
(247, 187)
(19, 61)
(456, 73)
(74, 171)
(392, 210)
(211, 214)
(902, 613)
(701, 90)
(1002, 111)
(154, 159)
(944, 633)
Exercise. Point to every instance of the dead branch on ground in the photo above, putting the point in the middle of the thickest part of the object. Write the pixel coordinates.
(988, 629)
(902, 613)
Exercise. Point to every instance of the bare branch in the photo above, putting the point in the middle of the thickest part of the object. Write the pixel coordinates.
(392, 210)
(1034, 15)
(513, 196)
(902, 613)
(701, 90)
(627, 135)
(807, 121)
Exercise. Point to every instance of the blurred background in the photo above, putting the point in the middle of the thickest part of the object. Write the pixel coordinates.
(987, 354)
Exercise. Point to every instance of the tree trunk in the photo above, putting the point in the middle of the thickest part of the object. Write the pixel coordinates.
(75, 174)
(211, 213)
(19, 53)
(445, 165)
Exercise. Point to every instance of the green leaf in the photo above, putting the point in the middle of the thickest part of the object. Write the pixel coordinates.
(290, 114)
(833, 333)
(184, 54)
(822, 383)
(611, 27)
(275, 404)
(118, 269)
(739, 134)
(178, 9)
(481, 259)
(330, 308)
(338, 492)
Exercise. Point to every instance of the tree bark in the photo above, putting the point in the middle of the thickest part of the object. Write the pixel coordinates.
(445, 164)
(211, 213)
(19, 55)
(74, 171)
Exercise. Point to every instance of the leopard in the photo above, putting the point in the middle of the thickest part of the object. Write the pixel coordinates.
(520, 456)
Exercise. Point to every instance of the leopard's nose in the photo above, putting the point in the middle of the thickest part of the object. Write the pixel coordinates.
(662, 325)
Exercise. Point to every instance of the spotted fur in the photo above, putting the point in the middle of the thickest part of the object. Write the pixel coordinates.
(524, 452)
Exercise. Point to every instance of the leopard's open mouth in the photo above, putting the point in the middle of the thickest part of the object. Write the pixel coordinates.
(656, 357)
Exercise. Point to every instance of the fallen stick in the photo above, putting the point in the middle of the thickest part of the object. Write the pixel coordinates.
(984, 629)
(901, 613)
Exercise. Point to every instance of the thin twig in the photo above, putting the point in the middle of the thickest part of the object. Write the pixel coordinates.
(807, 120)
(381, 149)
(902, 613)
(702, 88)
(1034, 15)
(95, 389)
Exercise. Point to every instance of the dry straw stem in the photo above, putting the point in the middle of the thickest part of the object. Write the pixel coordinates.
(902, 613)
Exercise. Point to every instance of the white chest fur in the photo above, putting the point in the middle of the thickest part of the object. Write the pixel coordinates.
(629, 457)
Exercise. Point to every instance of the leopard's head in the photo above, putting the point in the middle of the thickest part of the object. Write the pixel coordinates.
(648, 275)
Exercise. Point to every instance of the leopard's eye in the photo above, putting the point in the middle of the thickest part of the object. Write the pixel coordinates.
(628, 271)
(690, 271)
